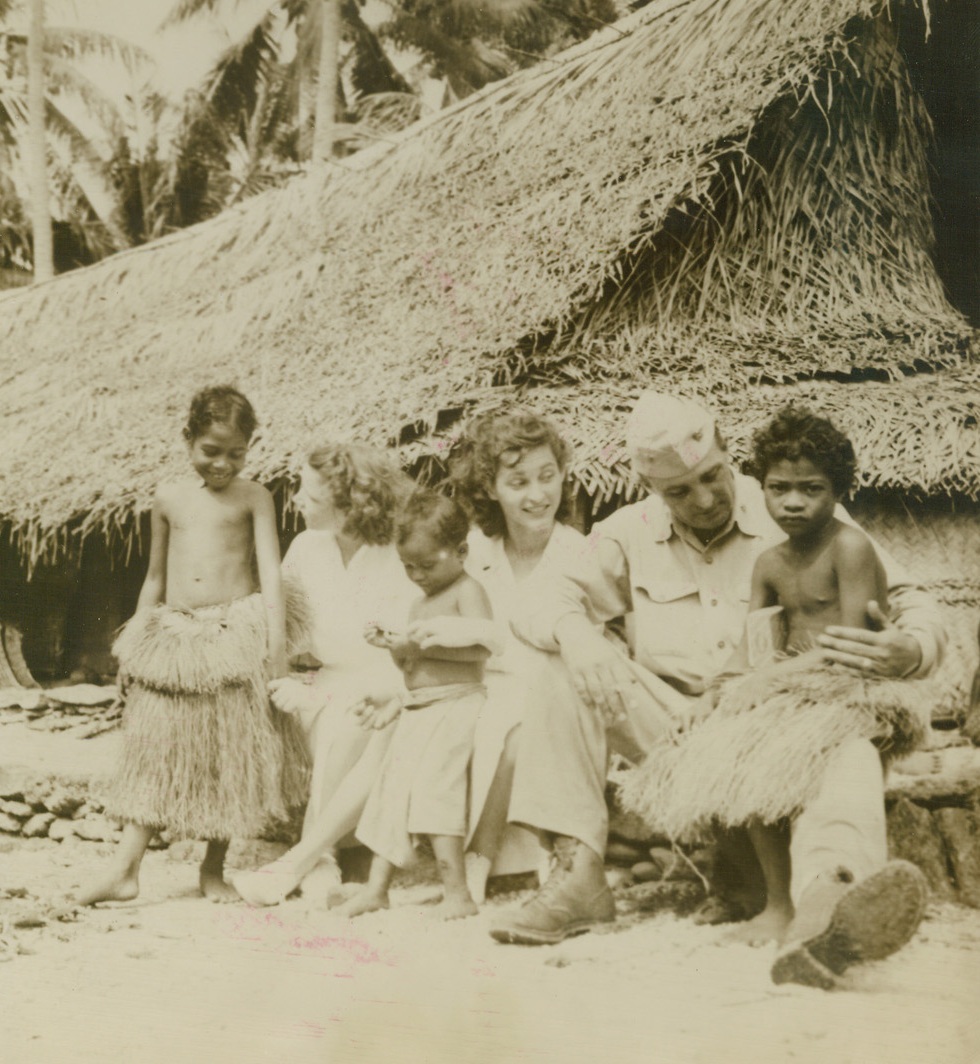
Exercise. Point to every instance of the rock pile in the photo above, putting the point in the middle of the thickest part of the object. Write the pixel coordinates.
(89, 709)
(51, 807)
(933, 807)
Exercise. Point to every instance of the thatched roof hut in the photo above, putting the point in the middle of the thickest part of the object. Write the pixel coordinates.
(729, 197)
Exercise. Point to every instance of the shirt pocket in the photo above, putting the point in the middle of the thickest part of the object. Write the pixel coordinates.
(667, 617)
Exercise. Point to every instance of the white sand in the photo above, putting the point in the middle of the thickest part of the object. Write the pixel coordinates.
(175, 980)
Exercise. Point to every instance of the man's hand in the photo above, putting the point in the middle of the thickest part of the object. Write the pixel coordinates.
(888, 652)
(599, 672)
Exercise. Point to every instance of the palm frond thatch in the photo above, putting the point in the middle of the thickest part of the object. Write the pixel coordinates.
(679, 201)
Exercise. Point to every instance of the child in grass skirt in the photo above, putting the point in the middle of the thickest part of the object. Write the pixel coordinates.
(758, 748)
(204, 755)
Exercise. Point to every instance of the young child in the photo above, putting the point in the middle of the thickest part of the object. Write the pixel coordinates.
(824, 573)
(421, 789)
(203, 753)
(757, 744)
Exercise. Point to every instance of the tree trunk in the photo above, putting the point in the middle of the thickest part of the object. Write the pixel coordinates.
(37, 147)
(326, 90)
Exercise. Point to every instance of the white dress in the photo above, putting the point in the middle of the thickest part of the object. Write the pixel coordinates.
(371, 588)
(508, 676)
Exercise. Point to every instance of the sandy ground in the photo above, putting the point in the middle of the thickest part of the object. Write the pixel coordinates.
(173, 978)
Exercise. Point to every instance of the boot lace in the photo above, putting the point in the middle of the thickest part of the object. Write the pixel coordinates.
(561, 866)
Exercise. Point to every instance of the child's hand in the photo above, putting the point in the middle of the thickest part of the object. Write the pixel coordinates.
(454, 632)
(383, 638)
(376, 711)
(290, 695)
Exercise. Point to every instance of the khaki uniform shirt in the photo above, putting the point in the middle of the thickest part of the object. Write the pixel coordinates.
(685, 603)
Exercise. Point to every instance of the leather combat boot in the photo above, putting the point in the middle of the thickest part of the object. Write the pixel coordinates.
(839, 923)
(574, 898)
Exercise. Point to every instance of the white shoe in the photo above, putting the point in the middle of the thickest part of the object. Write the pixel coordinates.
(322, 881)
(268, 885)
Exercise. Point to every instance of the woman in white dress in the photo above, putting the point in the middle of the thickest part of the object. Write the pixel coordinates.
(347, 569)
(509, 470)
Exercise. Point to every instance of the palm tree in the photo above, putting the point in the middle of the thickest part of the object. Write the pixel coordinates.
(37, 147)
(56, 131)
(466, 42)
(321, 28)
(472, 42)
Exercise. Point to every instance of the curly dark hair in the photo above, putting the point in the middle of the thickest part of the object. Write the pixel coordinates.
(475, 461)
(220, 405)
(442, 517)
(796, 433)
(367, 485)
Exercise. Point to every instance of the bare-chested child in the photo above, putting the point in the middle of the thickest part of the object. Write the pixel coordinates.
(824, 573)
(421, 789)
(203, 754)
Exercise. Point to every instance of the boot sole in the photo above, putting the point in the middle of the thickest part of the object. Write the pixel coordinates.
(872, 920)
(524, 936)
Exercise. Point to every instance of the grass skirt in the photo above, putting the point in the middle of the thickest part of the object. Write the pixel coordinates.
(204, 754)
(762, 752)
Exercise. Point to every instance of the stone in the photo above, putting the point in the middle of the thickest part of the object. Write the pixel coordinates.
(647, 872)
(21, 810)
(914, 836)
(83, 695)
(63, 802)
(82, 811)
(618, 877)
(95, 829)
(14, 781)
(960, 831)
(9, 824)
(949, 776)
(37, 827)
(681, 898)
(624, 853)
(61, 829)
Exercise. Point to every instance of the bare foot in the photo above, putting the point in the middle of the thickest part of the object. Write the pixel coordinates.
(117, 886)
(769, 926)
(365, 901)
(455, 907)
(268, 885)
(477, 872)
(214, 887)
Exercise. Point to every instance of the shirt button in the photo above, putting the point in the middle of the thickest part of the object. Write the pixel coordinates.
(708, 559)
(721, 644)
(714, 602)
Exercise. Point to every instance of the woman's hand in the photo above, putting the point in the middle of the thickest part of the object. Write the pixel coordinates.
(290, 695)
(888, 652)
(599, 673)
(376, 711)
